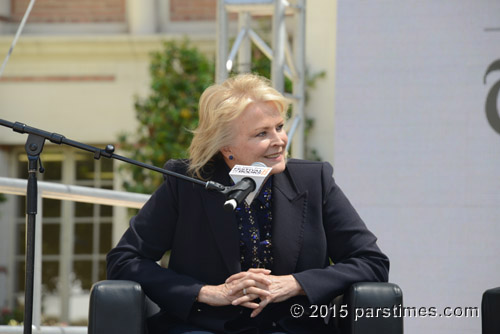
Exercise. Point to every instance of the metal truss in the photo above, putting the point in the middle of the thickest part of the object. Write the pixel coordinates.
(285, 60)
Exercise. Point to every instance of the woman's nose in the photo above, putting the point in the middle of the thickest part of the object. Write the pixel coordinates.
(279, 138)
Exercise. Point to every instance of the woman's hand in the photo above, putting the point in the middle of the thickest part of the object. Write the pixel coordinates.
(255, 282)
(280, 288)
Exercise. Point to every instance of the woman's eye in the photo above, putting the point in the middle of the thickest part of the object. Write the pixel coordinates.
(261, 134)
(279, 127)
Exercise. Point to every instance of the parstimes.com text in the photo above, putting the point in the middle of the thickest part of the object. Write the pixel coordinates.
(416, 312)
(397, 311)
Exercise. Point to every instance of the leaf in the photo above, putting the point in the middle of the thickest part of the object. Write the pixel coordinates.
(179, 74)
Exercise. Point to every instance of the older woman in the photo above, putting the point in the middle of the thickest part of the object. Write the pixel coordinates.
(241, 272)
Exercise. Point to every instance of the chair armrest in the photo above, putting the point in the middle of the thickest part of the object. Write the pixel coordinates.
(117, 307)
(490, 309)
(121, 307)
(370, 309)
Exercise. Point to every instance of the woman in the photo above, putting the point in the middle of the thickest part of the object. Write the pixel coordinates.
(241, 272)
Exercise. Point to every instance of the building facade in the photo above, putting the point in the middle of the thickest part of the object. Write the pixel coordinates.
(76, 70)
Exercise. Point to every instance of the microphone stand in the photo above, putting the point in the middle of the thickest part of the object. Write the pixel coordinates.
(34, 146)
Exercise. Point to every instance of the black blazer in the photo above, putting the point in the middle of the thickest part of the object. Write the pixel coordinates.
(313, 223)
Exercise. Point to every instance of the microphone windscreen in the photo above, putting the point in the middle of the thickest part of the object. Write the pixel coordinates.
(259, 164)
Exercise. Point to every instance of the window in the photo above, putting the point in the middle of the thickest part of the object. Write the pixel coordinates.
(75, 236)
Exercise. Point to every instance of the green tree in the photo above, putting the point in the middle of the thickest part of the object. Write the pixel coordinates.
(179, 74)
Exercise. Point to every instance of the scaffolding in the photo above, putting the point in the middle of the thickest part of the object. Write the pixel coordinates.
(285, 60)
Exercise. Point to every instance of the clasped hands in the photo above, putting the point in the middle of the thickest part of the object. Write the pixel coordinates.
(246, 287)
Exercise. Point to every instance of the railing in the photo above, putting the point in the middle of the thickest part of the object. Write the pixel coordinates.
(69, 193)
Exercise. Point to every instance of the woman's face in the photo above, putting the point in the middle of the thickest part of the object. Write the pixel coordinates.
(258, 136)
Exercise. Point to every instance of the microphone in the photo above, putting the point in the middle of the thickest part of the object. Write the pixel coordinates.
(238, 193)
(248, 181)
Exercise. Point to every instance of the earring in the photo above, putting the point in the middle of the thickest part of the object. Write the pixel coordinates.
(231, 157)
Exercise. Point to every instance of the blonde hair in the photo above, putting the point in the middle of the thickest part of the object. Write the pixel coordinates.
(219, 106)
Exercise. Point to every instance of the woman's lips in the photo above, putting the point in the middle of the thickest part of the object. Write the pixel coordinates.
(273, 156)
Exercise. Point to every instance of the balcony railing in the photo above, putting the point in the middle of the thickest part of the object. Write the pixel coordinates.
(68, 193)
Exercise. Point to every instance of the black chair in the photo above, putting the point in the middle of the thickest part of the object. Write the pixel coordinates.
(490, 311)
(121, 307)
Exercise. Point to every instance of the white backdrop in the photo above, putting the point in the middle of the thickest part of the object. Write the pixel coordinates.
(414, 150)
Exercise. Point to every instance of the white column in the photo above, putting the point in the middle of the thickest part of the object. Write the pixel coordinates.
(4, 13)
(120, 214)
(245, 50)
(299, 83)
(321, 18)
(279, 37)
(7, 227)
(5, 8)
(222, 42)
(163, 15)
(67, 237)
(142, 16)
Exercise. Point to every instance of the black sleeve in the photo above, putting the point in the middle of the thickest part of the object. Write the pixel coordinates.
(351, 247)
(149, 236)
